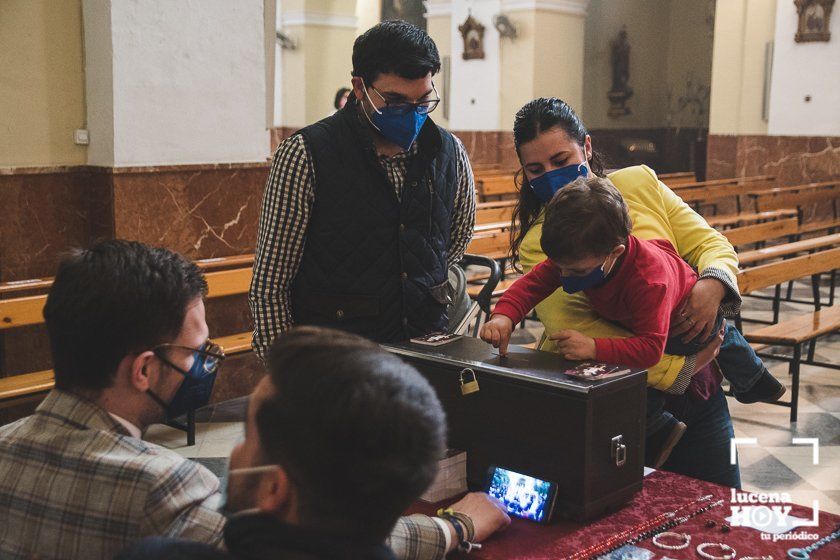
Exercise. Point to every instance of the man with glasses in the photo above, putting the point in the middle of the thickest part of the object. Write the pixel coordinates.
(365, 211)
(130, 348)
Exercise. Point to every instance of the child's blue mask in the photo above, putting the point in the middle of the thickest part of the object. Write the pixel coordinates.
(546, 185)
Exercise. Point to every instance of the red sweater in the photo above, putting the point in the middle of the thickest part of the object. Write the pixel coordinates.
(643, 294)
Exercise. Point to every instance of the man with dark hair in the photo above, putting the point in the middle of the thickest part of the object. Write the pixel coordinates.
(365, 211)
(129, 344)
(339, 440)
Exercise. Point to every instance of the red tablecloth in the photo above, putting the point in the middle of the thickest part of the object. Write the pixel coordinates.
(661, 492)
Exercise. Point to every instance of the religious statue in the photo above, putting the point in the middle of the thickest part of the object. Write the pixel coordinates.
(620, 91)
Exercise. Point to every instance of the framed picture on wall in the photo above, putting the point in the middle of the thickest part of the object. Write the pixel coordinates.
(814, 20)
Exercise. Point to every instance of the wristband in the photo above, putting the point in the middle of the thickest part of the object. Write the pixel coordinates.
(464, 529)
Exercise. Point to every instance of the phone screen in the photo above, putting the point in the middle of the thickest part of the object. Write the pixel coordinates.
(522, 495)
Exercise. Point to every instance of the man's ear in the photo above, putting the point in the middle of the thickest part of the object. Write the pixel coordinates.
(618, 251)
(141, 370)
(275, 493)
(358, 88)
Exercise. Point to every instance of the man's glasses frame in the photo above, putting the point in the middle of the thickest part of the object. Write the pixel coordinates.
(403, 107)
(210, 354)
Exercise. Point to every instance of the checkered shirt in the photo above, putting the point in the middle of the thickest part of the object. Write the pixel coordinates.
(287, 206)
(75, 484)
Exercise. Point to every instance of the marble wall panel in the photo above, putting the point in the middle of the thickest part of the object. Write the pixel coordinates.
(792, 159)
(46, 212)
(201, 212)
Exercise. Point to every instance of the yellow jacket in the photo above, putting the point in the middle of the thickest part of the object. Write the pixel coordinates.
(657, 213)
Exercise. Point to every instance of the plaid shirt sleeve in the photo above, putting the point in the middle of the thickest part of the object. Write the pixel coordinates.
(463, 211)
(183, 503)
(417, 537)
(287, 204)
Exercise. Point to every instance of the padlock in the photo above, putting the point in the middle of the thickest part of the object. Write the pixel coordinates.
(469, 382)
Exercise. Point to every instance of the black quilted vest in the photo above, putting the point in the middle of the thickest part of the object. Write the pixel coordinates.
(373, 264)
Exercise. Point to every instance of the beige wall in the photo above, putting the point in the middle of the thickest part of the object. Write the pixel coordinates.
(689, 54)
(369, 13)
(647, 23)
(42, 87)
(670, 42)
(546, 59)
(322, 62)
(742, 29)
(438, 28)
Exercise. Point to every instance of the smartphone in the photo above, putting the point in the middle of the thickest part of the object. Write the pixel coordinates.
(523, 496)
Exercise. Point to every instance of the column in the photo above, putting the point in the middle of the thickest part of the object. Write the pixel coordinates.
(546, 59)
(321, 63)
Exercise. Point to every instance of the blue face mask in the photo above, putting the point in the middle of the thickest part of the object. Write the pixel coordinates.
(574, 284)
(196, 388)
(546, 185)
(400, 125)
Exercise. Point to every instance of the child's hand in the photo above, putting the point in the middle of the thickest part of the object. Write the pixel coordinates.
(573, 345)
(497, 332)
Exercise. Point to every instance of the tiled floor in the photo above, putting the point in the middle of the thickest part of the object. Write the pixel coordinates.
(773, 465)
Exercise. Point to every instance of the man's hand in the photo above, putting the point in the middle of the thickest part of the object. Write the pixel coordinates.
(699, 312)
(497, 332)
(487, 514)
(573, 345)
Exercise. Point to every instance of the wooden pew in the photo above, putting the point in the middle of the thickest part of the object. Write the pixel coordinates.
(492, 212)
(788, 249)
(22, 311)
(723, 182)
(762, 232)
(723, 221)
(502, 185)
(43, 284)
(805, 328)
(801, 199)
(678, 177)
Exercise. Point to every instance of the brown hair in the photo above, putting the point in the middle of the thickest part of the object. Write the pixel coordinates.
(586, 218)
(534, 118)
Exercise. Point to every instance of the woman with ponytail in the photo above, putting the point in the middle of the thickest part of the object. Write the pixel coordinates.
(554, 148)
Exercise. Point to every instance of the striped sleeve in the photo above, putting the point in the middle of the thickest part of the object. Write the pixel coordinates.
(417, 537)
(463, 212)
(287, 205)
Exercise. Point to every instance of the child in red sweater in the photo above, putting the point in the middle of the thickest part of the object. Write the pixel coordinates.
(635, 283)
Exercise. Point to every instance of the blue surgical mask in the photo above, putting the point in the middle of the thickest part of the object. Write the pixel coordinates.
(396, 124)
(546, 185)
(574, 284)
(196, 388)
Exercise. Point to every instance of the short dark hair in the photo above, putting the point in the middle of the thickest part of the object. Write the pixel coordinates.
(338, 95)
(359, 431)
(112, 300)
(394, 47)
(586, 218)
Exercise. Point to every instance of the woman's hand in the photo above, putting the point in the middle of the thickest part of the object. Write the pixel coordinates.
(709, 352)
(699, 313)
(573, 345)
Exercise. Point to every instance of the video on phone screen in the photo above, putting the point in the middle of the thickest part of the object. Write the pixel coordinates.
(523, 496)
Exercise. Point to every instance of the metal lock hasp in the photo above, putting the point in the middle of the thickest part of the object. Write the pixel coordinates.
(469, 382)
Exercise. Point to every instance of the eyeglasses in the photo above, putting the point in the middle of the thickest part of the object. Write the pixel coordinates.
(206, 358)
(402, 107)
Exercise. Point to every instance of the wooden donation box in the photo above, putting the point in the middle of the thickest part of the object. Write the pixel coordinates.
(523, 413)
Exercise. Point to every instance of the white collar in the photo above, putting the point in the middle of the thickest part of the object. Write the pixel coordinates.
(132, 429)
